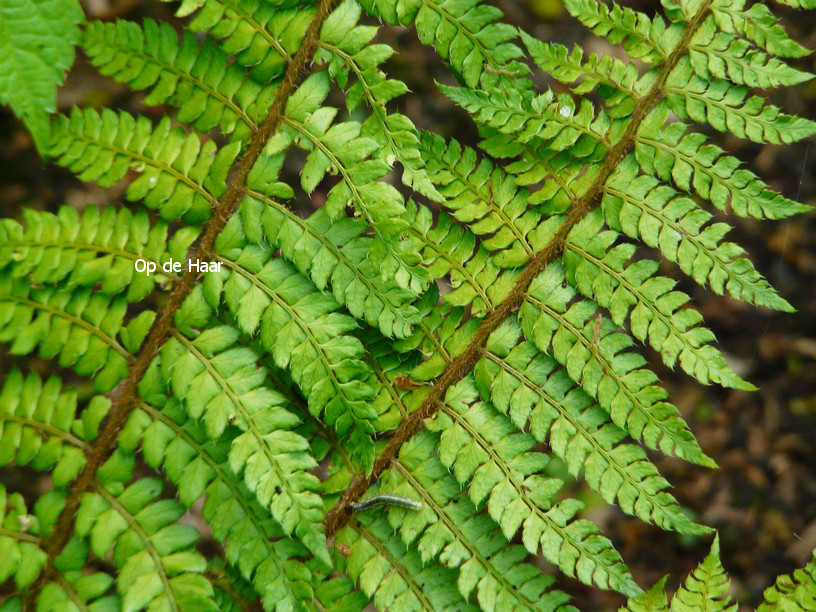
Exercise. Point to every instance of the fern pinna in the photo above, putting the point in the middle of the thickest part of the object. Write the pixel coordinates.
(319, 365)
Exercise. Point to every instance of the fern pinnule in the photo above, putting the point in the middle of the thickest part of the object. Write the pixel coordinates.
(180, 177)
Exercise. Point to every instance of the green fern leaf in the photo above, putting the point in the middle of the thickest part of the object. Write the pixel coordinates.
(728, 108)
(673, 153)
(650, 40)
(302, 329)
(530, 387)
(706, 588)
(36, 49)
(208, 91)
(391, 575)
(484, 449)
(758, 25)
(255, 543)
(179, 176)
(21, 541)
(260, 35)
(98, 248)
(598, 360)
(795, 592)
(653, 600)
(720, 55)
(331, 252)
(449, 528)
(615, 81)
(642, 208)
(598, 269)
(464, 34)
(80, 327)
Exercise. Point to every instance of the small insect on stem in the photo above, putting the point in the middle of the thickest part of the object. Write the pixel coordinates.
(403, 382)
(386, 500)
(596, 330)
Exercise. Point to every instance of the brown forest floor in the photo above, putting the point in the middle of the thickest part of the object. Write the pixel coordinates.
(763, 498)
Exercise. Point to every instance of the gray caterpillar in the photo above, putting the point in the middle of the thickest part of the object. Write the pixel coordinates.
(386, 500)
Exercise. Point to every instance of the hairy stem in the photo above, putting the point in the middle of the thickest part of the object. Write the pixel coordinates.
(125, 396)
(460, 366)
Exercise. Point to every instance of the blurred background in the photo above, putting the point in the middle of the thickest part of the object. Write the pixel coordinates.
(763, 498)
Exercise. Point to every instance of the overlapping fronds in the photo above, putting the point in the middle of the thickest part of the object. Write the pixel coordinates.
(254, 542)
(154, 554)
(439, 357)
(21, 537)
(450, 528)
(82, 329)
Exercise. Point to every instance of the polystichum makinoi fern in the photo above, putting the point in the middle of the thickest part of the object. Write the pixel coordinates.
(355, 436)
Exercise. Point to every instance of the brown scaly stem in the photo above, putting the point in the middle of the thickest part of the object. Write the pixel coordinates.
(460, 366)
(125, 396)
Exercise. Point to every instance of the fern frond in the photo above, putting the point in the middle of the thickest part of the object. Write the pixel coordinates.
(673, 153)
(642, 208)
(179, 176)
(347, 46)
(795, 592)
(158, 565)
(36, 50)
(485, 451)
(653, 600)
(335, 253)
(467, 35)
(599, 362)
(452, 249)
(341, 148)
(209, 91)
(483, 197)
(728, 108)
(601, 270)
(86, 330)
(260, 35)
(302, 328)
(393, 576)
(706, 588)
(39, 426)
(153, 554)
(719, 55)
(449, 528)
(21, 541)
(546, 117)
(650, 40)
(221, 383)
(529, 386)
(254, 542)
(758, 25)
(339, 594)
(98, 248)
(616, 82)
(200, 81)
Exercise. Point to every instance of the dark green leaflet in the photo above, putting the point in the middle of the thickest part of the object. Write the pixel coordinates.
(390, 500)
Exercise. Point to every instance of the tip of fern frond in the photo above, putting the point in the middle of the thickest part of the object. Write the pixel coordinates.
(630, 588)
(744, 385)
(784, 306)
(698, 529)
(802, 76)
(732, 380)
